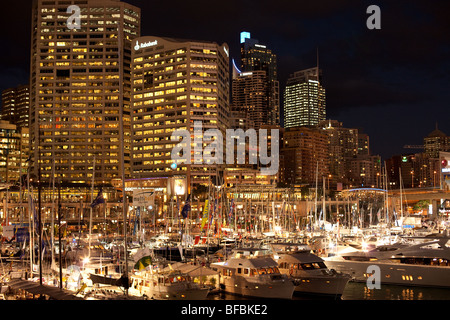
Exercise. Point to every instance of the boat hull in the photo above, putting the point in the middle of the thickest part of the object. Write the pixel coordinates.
(333, 286)
(240, 286)
(173, 293)
(395, 273)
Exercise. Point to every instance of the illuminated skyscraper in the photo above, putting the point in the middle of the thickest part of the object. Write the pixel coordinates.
(16, 105)
(250, 96)
(79, 88)
(304, 99)
(256, 87)
(175, 84)
(305, 154)
(14, 152)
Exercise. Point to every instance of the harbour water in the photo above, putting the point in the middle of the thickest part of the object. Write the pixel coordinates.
(359, 291)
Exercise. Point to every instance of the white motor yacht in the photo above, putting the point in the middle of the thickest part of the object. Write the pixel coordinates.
(310, 273)
(423, 264)
(253, 273)
(166, 285)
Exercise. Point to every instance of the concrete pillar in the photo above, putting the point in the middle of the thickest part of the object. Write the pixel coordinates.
(435, 203)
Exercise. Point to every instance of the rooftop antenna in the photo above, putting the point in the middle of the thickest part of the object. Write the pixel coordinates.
(317, 55)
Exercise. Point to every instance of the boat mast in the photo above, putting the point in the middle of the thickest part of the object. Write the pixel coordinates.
(324, 201)
(53, 215)
(39, 209)
(59, 235)
(122, 153)
(315, 201)
(30, 224)
(90, 212)
(401, 198)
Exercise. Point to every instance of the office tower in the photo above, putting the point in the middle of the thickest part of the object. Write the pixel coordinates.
(15, 105)
(176, 83)
(14, 152)
(250, 96)
(80, 86)
(304, 99)
(256, 87)
(305, 154)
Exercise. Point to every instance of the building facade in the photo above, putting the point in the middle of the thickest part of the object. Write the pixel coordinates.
(80, 89)
(14, 152)
(435, 142)
(250, 97)
(305, 155)
(16, 105)
(304, 99)
(259, 71)
(176, 83)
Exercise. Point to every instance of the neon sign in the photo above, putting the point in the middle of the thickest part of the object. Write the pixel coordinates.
(145, 44)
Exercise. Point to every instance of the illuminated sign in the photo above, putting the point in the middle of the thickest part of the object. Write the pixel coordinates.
(143, 198)
(145, 44)
(244, 35)
(180, 187)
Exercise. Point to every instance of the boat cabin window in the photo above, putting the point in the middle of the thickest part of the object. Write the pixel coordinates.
(239, 270)
(246, 271)
(269, 270)
(311, 266)
(227, 272)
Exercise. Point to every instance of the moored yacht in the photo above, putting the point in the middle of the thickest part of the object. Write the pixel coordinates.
(253, 273)
(166, 285)
(423, 264)
(309, 271)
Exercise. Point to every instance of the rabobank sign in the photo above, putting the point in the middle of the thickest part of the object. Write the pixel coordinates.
(142, 45)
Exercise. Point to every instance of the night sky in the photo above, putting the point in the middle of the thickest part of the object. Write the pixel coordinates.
(394, 83)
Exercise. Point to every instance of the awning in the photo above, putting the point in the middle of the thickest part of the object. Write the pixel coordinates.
(36, 288)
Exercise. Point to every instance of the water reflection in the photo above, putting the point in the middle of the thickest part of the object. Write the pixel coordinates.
(359, 291)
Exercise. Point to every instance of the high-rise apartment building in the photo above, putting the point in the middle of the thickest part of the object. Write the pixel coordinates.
(176, 83)
(16, 105)
(304, 99)
(305, 155)
(350, 161)
(80, 88)
(342, 146)
(250, 96)
(257, 80)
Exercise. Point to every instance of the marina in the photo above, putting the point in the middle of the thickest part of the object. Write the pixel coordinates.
(322, 261)
(216, 176)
